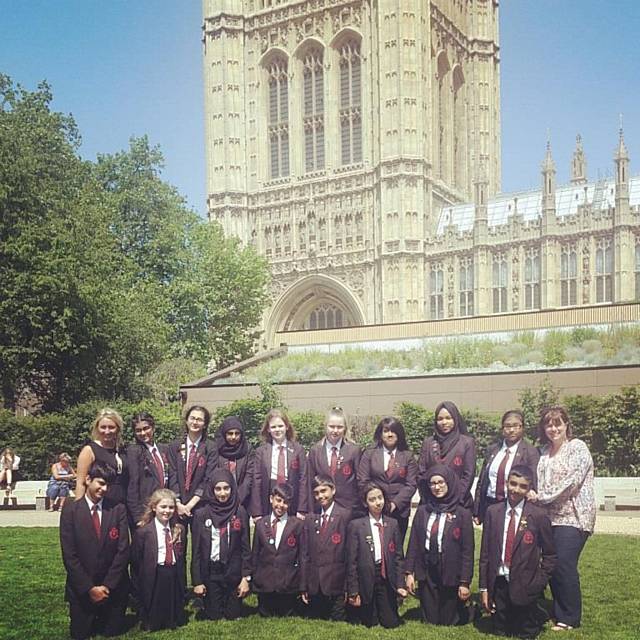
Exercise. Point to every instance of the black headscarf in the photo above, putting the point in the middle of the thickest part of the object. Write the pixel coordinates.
(446, 442)
(231, 452)
(449, 502)
(221, 512)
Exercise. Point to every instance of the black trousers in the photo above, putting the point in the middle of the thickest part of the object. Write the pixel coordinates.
(327, 607)
(107, 619)
(439, 604)
(383, 608)
(512, 620)
(277, 604)
(220, 600)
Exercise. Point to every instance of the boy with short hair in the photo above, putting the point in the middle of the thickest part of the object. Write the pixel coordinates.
(516, 559)
(94, 537)
(277, 555)
(324, 558)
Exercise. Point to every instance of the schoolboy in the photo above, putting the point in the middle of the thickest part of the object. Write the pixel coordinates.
(277, 556)
(324, 559)
(516, 559)
(94, 538)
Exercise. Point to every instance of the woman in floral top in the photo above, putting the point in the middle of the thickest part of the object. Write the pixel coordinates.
(565, 488)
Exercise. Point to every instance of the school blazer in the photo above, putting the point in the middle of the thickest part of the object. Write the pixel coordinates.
(324, 558)
(526, 454)
(401, 486)
(277, 570)
(243, 474)
(91, 562)
(461, 458)
(347, 494)
(143, 477)
(296, 474)
(457, 547)
(205, 464)
(361, 569)
(144, 562)
(533, 558)
(237, 561)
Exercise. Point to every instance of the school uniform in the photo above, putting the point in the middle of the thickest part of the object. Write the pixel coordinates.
(92, 560)
(185, 480)
(265, 477)
(375, 570)
(158, 573)
(221, 557)
(276, 564)
(397, 473)
(324, 561)
(242, 471)
(148, 471)
(343, 468)
(515, 583)
(498, 461)
(461, 458)
(440, 555)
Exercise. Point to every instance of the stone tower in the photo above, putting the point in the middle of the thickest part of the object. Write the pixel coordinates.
(336, 132)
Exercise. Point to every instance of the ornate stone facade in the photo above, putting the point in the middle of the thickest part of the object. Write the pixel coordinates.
(343, 139)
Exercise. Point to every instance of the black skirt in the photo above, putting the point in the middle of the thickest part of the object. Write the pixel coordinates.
(167, 602)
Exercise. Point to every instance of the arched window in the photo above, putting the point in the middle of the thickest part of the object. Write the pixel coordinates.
(436, 291)
(466, 286)
(327, 316)
(568, 275)
(313, 118)
(278, 122)
(499, 284)
(532, 278)
(350, 102)
(604, 270)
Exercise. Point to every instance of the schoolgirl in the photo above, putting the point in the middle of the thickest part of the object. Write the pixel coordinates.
(236, 455)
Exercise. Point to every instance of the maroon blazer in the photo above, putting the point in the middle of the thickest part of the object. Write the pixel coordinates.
(361, 569)
(347, 494)
(237, 560)
(143, 477)
(461, 458)
(144, 562)
(205, 464)
(277, 570)
(457, 547)
(534, 555)
(259, 504)
(526, 454)
(401, 486)
(91, 562)
(324, 558)
(243, 473)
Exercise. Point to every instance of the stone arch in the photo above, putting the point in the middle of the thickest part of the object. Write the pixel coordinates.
(293, 307)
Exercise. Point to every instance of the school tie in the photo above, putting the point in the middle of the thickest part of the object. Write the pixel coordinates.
(159, 467)
(334, 461)
(96, 520)
(224, 544)
(231, 465)
(274, 529)
(190, 464)
(168, 545)
(281, 477)
(392, 459)
(500, 479)
(383, 568)
(433, 540)
(511, 536)
(325, 524)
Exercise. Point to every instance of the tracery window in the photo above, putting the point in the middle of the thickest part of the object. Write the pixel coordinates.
(313, 118)
(499, 283)
(350, 102)
(466, 286)
(568, 275)
(532, 278)
(278, 123)
(604, 270)
(436, 291)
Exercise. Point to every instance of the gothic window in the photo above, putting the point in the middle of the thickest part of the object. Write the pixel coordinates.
(277, 240)
(322, 233)
(327, 316)
(268, 241)
(278, 124)
(350, 103)
(604, 270)
(302, 235)
(313, 95)
(568, 275)
(499, 283)
(466, 286)
(348, 230)
(436, 291)
(637, 267)
(532, 278)
(337, 231)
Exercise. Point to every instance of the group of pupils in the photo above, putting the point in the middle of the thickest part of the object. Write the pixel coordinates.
(329, 527)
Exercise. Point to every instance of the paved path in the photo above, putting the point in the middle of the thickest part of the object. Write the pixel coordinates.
(618, 522)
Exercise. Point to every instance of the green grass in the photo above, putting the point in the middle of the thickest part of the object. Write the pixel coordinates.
(32, 606)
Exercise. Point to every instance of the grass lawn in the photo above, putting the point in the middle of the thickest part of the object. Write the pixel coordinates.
(32, 606)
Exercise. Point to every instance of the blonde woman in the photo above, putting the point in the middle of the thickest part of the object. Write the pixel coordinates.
(61, 482)
(9, 463)
(105, 447)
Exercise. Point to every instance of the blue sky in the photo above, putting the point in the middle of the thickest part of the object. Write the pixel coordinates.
(126, 68)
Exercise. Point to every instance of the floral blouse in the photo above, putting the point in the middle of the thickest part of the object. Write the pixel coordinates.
(565, 485)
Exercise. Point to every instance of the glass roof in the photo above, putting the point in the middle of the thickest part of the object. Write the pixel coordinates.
(528, 204)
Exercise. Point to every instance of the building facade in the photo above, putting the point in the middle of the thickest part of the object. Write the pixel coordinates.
(356, 144)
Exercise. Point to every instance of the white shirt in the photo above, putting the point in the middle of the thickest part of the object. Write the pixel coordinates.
(275, 452)
(215, 542)
(279, 529)
(375, 534)
(92, 504)
(329, 448)
(162, 547)
(387, 456)
(495, 465)
(430, 521)
(503, 570)
(327, 512)
(191, 445)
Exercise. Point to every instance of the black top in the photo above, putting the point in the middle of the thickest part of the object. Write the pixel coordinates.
(117, 491)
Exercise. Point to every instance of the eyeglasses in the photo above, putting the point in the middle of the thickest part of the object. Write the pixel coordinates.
(437, 483)
(192, 419)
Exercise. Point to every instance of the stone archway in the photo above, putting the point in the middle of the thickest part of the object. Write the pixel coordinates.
(314, 302)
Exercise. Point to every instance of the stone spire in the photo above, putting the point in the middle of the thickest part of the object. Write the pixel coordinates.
(621, 159)
(578, 163)
(480, 201)
(548, 183)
